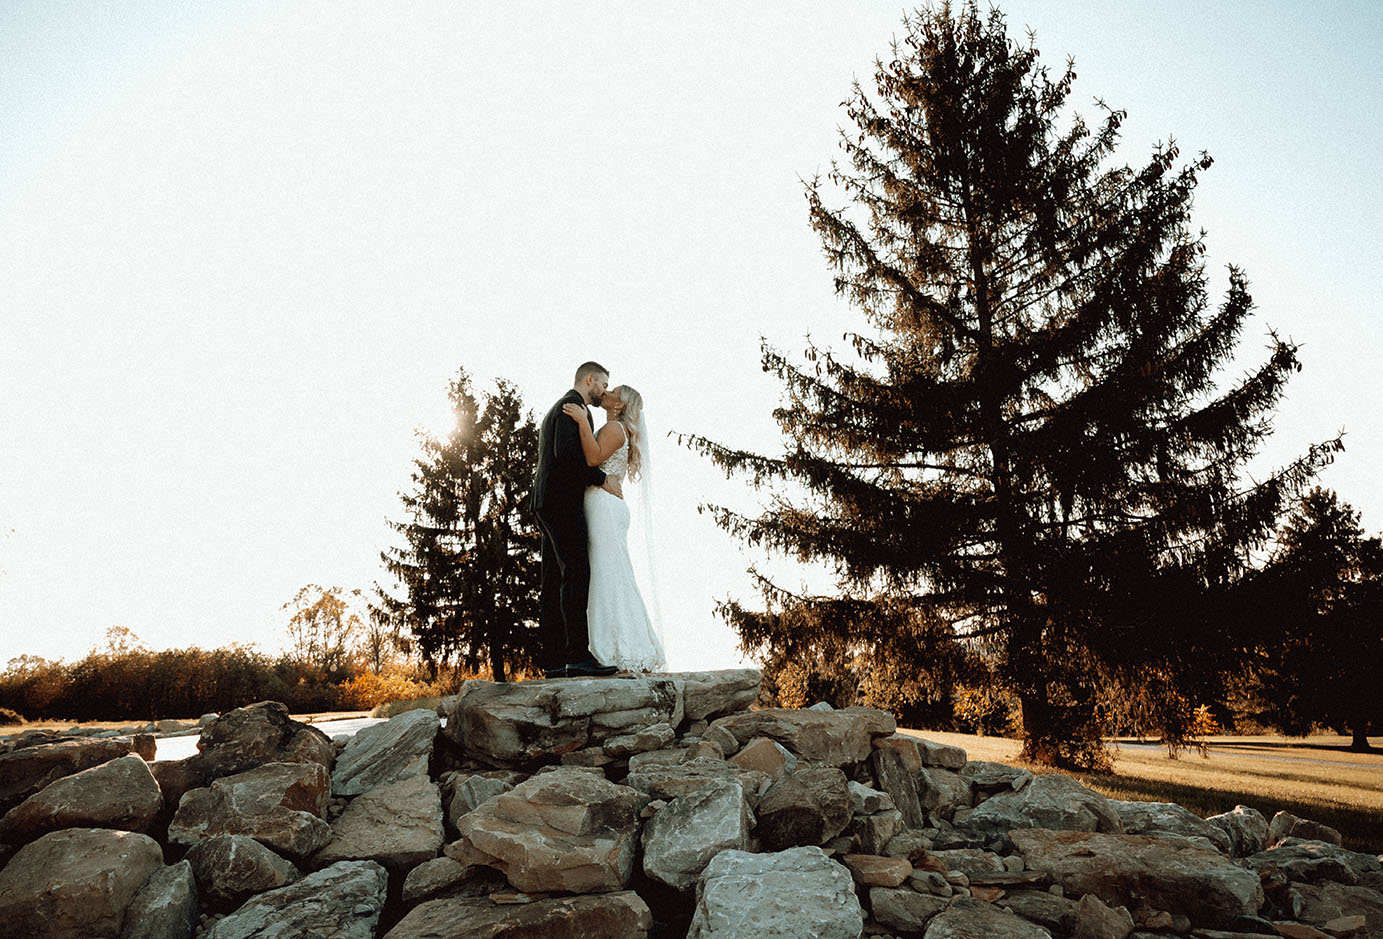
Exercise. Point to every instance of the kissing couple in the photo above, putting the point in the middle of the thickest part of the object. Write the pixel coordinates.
(593, 620)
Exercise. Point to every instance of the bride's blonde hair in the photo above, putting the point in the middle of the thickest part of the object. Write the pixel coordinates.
(629, 418)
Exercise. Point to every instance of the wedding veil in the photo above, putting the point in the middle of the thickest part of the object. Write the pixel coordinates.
(641, 503)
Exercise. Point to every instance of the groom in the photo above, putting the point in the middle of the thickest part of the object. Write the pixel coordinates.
(559, 492)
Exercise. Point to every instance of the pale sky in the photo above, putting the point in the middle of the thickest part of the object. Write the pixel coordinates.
(244, 246)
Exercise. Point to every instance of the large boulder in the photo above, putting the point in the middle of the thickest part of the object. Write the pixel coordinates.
(566, 830)
(462, 793)
(229, 869)
(904, 909)
(387, 752)
(669, 780)
(120, 794)
(75, 883)
(708, 695)
(681, 839)
(166, 907)
(835, 738)
(527, 722)
(343, 901)
(260, 733)
(1323, 905)
(967, 918)
(1151, 818)
(1048, 801)
(398, 824)
(799, 893)
(280, 805)
(1165, 873)
(25, 771)
(808, 807)
(619, 915)
(442, 877)
(1246, 829)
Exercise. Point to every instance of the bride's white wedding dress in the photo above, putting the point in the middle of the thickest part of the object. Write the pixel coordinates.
(621, 633)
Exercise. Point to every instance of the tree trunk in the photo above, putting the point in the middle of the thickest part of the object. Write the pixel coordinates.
(1360, 743)
(497, 662)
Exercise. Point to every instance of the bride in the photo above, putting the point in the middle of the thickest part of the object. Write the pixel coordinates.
(621, 633)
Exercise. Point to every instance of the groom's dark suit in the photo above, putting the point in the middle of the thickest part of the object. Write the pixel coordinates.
(559, 492)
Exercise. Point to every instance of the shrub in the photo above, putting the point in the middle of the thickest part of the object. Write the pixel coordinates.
(8, 717)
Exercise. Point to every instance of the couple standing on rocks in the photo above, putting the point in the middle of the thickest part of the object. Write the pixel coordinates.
(593, 619)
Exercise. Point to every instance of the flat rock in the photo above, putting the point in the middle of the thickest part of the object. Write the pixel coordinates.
(565, 830)
(988, 777)
(261, 733)
(1044, 908)
(904, 909)
(799, 893)
(648, 738)
(708, 695)
(942, 755)
(75, 883)
(1049, 801)
(385, 753)
(673, 780)
(398, 824)
(619, 915)
(836, 738)
(280, 805)
(1328, 905)
(229, 869)
(808, 807)
(343, 901)
(443, 877)
(1314, 861)
(873, 870)
(1147, 818)
(166, 907)
(967, 918)
(1128, 870)
(25, 771)
(681, 839)
(527, 722)
(120, 794)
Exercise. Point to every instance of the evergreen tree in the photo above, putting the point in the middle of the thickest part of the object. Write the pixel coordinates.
(1320, 619)
(468, 568)
(1029, 444)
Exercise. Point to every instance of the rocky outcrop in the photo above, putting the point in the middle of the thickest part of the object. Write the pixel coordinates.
(120, 794)
(636, 807)
(75, 883)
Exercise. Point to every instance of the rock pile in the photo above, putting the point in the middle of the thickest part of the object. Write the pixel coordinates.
(619, 807)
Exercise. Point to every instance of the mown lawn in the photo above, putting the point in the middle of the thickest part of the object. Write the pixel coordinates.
(1313, 777)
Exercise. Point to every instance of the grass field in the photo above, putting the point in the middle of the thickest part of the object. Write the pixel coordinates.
(1313, 777)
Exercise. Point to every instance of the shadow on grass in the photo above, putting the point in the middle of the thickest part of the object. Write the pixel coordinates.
(1362, 830)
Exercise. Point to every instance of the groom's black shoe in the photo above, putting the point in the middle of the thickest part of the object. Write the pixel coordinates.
(589, 668)
(558, 672)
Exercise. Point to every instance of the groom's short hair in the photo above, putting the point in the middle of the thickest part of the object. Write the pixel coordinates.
(590, 368)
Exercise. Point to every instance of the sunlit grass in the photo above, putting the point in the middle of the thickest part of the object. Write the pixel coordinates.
(1314, 777)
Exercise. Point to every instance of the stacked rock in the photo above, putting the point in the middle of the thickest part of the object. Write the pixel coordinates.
(664, 805)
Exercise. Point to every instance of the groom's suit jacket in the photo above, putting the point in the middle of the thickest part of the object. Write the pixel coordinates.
(562, 475)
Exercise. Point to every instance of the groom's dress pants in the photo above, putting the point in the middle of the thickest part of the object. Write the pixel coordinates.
(566, 585)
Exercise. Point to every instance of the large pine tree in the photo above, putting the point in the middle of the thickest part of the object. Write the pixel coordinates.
(468, 567)
(1029, 445)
